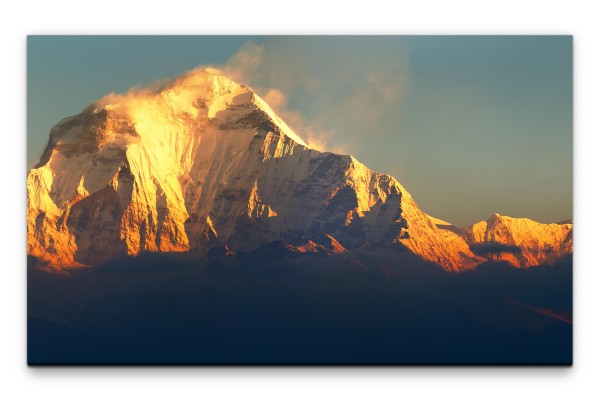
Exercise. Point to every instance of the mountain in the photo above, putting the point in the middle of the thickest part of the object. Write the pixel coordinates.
(520, 242)
(202, 163)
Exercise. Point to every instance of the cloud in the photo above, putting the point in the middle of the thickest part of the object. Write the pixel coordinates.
(243, 65)
(326, 93)
(314, 136)
(240, 67)
(275, 98)
(388, 87)
(561, 316)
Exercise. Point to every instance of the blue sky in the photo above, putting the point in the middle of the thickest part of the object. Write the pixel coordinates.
(470, 125)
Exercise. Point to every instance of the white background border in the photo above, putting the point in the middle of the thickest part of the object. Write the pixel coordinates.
(579, 18)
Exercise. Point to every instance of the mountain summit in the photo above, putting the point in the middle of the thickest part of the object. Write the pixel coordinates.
(204, 162)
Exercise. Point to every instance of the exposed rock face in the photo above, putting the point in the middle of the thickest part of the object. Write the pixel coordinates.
(520, 242)
(205, 163)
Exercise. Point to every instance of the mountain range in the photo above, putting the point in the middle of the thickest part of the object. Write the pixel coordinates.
(203, 163)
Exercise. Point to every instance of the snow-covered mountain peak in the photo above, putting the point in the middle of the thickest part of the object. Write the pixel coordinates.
(521, 242)
(203, 162)
(198, 94)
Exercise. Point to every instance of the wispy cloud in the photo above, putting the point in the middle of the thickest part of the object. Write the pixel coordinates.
(348, 96)
(245, 63)
(561, 316)
(327, 99)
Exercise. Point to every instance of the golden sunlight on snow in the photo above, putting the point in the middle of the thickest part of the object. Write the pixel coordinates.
(202, 162)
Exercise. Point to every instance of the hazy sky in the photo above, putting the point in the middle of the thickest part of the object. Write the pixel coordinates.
(469, 125)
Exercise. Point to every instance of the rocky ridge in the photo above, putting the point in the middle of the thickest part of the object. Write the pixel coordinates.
(204, 162)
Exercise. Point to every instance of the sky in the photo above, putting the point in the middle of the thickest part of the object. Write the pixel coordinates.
(469, 125)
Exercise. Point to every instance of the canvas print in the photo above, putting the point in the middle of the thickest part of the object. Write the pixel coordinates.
(282, 200)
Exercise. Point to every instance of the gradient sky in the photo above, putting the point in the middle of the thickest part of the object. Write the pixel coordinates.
(470, 125)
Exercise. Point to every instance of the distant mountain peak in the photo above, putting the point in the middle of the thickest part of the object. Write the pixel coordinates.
(520, 241)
